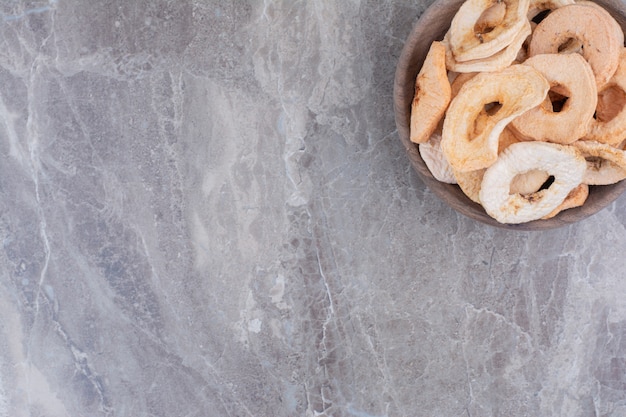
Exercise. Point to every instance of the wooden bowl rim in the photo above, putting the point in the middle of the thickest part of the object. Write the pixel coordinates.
(431, 26)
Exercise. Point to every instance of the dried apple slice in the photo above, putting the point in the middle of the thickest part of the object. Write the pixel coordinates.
(432, 94)
(495, 62)
(435, 160)
(483, 107)
(605, 164)
(471, 39)
(609, 125)
(601, 44)
(573, 80)
(564, 163)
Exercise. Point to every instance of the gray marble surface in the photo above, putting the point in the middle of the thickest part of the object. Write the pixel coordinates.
(205, 210)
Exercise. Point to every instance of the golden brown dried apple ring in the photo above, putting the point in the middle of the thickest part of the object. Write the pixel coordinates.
(575, 198)
(609, 125)
(605, 164)
(469, 41)
(435, 161)
(575, 22)
(566, 74)
(432, 94)
(493, 100)
(495, 62)
(564, 163)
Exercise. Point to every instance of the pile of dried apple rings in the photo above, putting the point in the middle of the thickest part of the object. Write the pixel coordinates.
(523, 105)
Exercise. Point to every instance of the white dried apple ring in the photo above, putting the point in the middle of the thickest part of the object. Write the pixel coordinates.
(471, 128)
(605, 164)
(435, 160)
(569, 75)
(469, 40)
(572, 23)
(564, 163)
(495, 62)
(432, 94)
(609, 125)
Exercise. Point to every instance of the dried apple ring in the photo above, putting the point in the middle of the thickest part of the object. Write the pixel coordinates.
(564, 163)
(537, 6)
(575, 198)
(432, 94)
(572, 78)
(609, 20)
(483, 107)
(609, 125)
(605, 164)
(572, 23)
(495, 62)
(470, 39)
(435, 161)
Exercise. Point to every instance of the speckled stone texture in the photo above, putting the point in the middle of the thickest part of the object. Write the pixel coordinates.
(205, 210)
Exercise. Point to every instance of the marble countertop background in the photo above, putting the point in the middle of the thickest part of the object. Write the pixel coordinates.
(205, 210)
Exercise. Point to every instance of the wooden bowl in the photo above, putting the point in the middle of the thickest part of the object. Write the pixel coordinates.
(432, 25)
